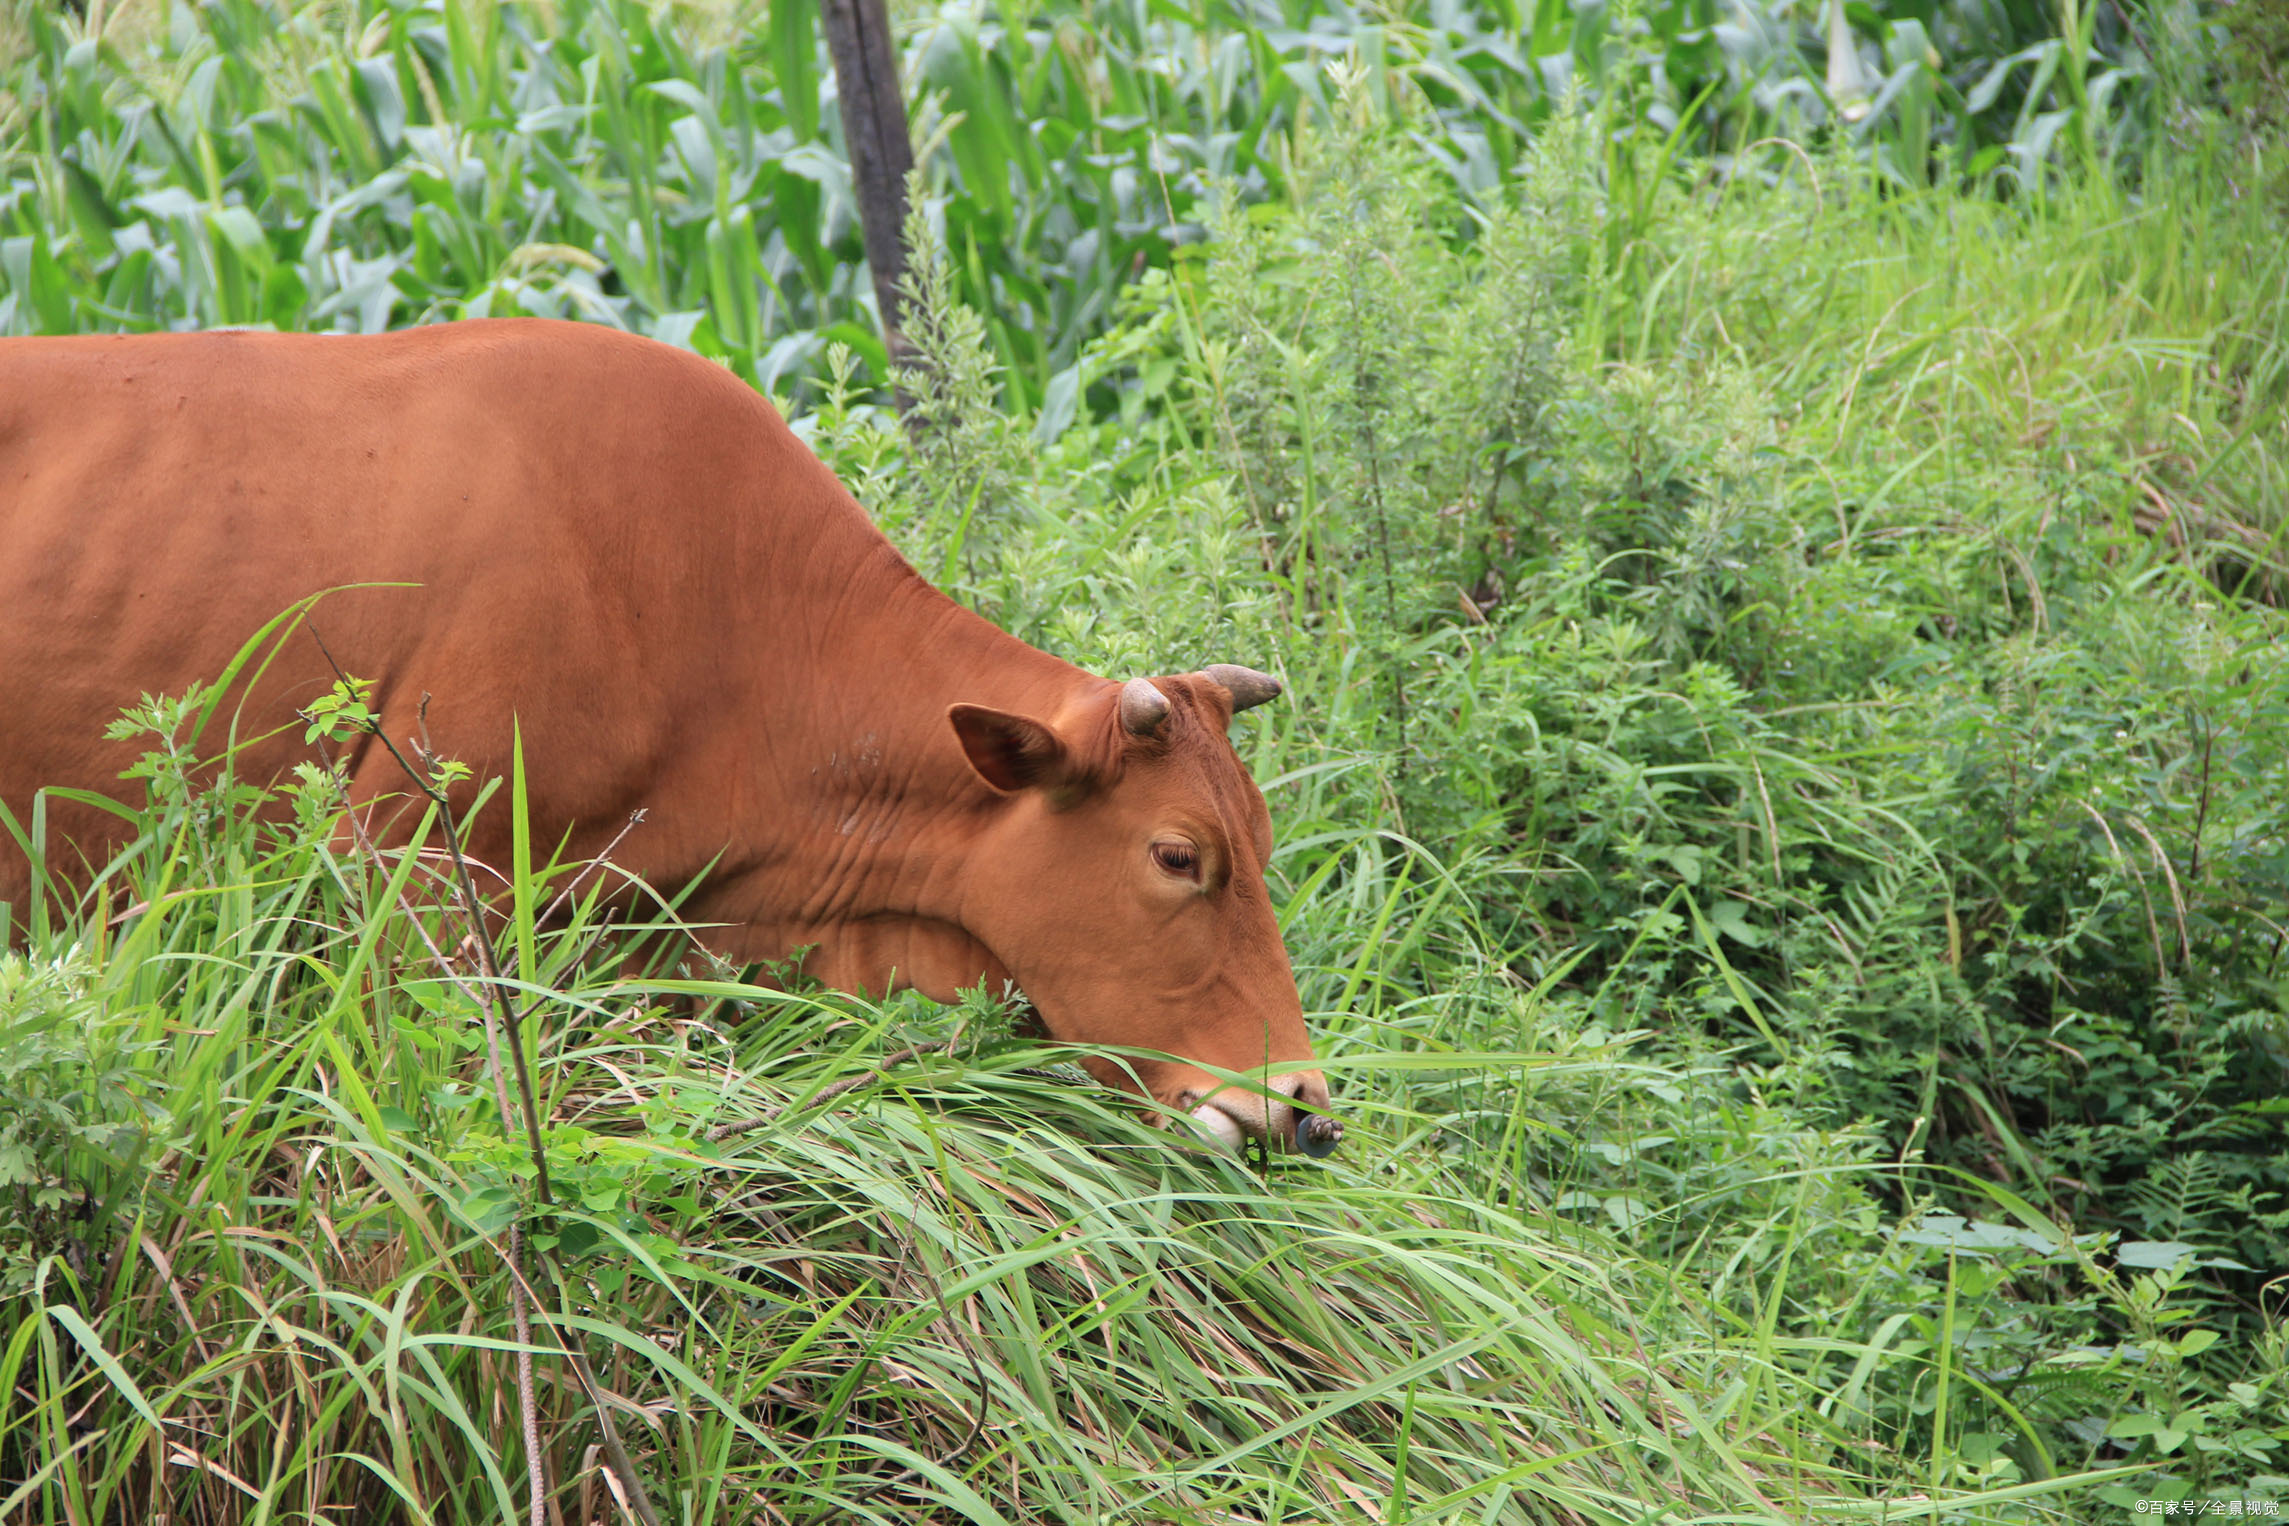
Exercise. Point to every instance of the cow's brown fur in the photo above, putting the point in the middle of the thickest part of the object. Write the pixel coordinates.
(624, 551)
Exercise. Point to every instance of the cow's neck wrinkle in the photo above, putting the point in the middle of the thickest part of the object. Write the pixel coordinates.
(878, 955)
(885, 809)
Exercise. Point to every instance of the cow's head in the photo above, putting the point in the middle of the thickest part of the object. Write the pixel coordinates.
(1120, 879)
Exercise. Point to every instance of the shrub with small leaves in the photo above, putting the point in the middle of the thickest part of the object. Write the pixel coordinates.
(79, 1116)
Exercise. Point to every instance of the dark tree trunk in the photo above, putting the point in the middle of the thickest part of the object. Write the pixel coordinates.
(874, 126)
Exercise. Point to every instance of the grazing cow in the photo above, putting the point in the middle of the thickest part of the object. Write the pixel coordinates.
(618, 548)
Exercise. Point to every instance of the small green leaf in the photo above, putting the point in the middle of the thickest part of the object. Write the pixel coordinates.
(490, 1210)
(794, 63)
(2157, 1254)
(1059, 402)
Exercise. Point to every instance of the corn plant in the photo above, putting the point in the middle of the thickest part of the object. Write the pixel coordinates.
(303, 165)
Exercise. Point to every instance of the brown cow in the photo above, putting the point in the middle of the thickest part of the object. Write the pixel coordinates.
(623, 550)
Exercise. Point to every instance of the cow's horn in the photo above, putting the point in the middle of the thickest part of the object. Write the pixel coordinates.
(1144, 709)
(1249, 688)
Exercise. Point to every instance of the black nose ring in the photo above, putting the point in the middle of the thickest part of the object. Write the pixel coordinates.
(1317, 1135)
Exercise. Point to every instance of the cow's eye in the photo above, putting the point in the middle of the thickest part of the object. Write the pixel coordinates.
(1177, 857)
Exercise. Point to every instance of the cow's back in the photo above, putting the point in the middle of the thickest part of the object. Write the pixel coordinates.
(587, 520)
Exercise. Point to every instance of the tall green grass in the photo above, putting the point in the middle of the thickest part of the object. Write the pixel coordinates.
(268, 1276)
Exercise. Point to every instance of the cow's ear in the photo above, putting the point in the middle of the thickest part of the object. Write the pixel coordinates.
(1010, 752)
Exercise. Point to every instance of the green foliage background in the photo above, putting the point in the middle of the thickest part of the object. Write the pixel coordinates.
(362, 165)
(1776, 558)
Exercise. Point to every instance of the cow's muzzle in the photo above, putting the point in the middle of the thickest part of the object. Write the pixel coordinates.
(1290, 1119)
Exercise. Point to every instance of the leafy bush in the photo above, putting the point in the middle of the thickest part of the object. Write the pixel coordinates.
(79, 1120)
(1885, 772)
(1920, 776)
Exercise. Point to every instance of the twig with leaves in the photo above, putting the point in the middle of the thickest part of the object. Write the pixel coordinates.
(343, 711)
